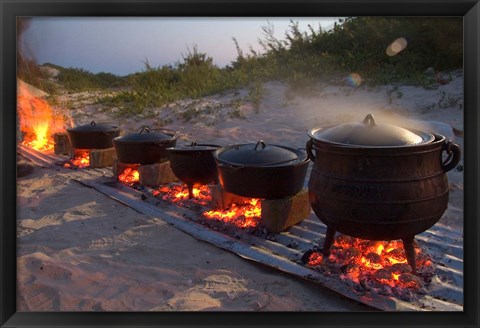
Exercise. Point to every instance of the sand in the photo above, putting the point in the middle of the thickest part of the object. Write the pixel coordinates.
(79, 250)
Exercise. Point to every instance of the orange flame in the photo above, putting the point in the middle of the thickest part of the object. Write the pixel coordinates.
(38, 122)
(129, 175)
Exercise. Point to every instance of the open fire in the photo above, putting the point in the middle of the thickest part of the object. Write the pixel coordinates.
(38, 121)
(374, 265)
(240, 215)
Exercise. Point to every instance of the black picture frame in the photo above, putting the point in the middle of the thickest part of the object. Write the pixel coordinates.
(10, 9)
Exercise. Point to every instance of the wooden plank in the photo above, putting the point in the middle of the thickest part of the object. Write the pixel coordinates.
(49, 161)
(39, 158)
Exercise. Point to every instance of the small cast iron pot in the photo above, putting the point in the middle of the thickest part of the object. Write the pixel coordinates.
(260, 170)
(145, 147)
(92, 136)
(194, 164)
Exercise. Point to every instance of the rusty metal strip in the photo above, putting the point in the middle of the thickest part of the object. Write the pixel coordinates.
(266, 252)
(307, 233)
(253, 253)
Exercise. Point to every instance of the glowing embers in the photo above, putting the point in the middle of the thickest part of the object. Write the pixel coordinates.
(38, 122)
(380, 266)
(179, 194)
(80, 160)
(130, 175)
(244, 215)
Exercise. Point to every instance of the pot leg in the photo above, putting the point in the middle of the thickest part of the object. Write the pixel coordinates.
(327, 244)
(410, 253)
(190, 190)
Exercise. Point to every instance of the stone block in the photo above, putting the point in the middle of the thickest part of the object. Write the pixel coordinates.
(102, 157)
(61, 144)
(156, 174)
(280, 214)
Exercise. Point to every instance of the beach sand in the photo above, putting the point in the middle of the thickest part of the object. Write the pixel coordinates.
(79, 250)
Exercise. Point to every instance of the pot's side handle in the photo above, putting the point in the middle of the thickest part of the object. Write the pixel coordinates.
(310, 150)
(229, 167)
(454, 153)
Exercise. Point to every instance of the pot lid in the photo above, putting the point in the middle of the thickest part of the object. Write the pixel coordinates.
(193, 147)
(93, 127)
(259, 154)
(371, 134)
(146, 134)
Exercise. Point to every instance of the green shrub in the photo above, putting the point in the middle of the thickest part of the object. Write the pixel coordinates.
(77, 79)
(302, 58)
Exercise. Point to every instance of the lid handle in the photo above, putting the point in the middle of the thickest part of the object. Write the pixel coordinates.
(145, 129)
(260, 143)
(93, 123)
(369, 120)
(194, 143)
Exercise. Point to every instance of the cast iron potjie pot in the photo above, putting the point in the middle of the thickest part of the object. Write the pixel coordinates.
(379, 181)
(194, 164)
(261, 170)
(92, 136)
(145, 147)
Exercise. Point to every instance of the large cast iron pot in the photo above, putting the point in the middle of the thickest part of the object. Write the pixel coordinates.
(260, 170)
(194, 164)
(92, 136)
(379, 181)
(145, 147)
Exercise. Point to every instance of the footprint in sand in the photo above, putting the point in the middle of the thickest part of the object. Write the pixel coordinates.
(101, 243)
(50, 270)
(22, 231)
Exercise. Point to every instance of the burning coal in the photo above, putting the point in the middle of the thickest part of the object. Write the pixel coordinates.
(374, 265)
(178, 194)
(129, 176)
(240, 215)
(79, 161)
(245, 215)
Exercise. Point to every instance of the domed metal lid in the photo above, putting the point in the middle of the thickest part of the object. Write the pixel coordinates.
(146, 134)
(93, 127)
(370, 134)
(193, 147)
(259, 154)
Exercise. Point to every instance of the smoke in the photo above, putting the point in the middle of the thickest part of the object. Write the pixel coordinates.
(27, 66)
(23, 23)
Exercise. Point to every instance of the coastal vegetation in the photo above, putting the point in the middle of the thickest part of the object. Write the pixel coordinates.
(300, 59)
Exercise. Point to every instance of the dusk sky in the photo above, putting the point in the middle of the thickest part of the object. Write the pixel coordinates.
(121, 45)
